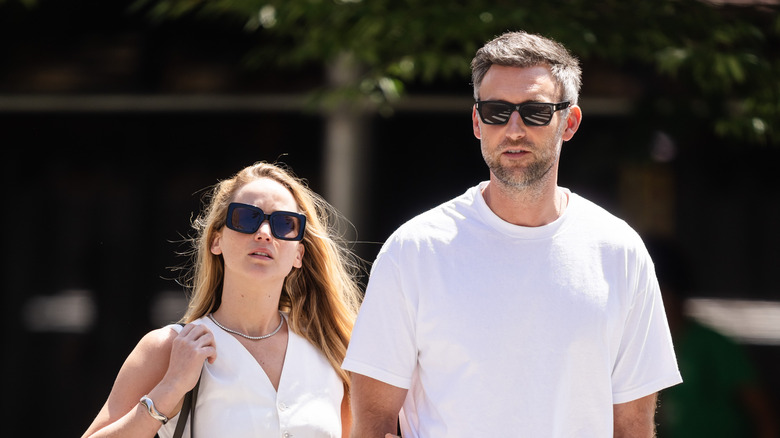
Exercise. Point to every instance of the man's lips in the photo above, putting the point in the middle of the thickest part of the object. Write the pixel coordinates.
(514, 149)
(515, 152)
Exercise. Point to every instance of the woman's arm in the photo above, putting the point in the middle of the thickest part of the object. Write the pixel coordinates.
(164, 365)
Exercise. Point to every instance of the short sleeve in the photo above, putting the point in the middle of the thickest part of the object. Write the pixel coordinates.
(383, 344)
(646, 361)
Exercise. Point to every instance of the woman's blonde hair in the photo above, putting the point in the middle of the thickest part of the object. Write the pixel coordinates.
(322, 297)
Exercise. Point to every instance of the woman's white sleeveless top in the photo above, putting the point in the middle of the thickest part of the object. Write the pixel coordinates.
(236, 399)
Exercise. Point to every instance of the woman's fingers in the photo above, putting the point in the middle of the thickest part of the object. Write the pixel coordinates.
(208, 345)
(194, 331)
(211, 353)
(198, 339)
(194, 344)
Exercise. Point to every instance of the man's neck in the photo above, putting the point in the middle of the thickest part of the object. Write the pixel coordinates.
(528, 207)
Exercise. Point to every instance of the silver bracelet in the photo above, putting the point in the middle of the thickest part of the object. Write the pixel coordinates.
(157, 415)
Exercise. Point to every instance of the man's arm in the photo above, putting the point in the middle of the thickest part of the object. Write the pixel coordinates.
(635, 419)
(375, 407)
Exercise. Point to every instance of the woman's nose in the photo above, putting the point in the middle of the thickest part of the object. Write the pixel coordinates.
(264, 232)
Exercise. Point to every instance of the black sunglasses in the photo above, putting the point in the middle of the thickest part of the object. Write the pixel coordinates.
(285, 225)
(498, 112)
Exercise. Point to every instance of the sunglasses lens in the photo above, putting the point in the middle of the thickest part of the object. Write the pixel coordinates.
(245, 220)
(285, 226)
(536, 114)
(495, 113)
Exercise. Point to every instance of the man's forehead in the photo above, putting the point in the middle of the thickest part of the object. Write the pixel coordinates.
(506, 82)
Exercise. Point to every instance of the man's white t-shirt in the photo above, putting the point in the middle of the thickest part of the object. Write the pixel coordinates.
(501, 330)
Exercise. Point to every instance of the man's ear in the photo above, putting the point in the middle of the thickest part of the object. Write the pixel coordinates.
(475, 122)
(572, 122)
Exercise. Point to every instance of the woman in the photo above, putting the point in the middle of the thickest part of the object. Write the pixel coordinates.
(272, 308)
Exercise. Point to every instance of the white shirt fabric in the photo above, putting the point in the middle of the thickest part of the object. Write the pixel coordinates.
(499, 330)
(237, 400)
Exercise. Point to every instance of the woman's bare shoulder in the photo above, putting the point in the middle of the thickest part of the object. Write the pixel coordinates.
(146, 365)
(144, 368)
(153, 348)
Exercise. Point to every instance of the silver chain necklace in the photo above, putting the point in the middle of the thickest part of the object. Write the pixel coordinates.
(254, 338)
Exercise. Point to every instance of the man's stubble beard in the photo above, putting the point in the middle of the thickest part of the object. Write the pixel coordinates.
(531, 176)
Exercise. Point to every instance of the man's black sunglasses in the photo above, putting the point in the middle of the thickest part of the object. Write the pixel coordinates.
(285, 225)
(498, 112)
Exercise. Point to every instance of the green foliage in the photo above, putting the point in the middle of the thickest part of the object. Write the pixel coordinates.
(724, 56)
(25, 3)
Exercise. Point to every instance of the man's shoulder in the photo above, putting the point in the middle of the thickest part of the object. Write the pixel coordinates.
(440, 215)
(594, 222)
(435, 224)
(597, 214)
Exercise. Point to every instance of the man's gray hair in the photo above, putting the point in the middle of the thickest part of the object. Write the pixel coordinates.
(521, 49)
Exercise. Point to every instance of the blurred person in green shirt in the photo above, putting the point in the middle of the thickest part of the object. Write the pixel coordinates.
(721, 394)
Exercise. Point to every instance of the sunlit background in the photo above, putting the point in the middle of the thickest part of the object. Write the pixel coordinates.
(116, 115)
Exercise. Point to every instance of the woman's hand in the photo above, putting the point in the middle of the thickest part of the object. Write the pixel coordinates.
(164, 365)
(191, 348)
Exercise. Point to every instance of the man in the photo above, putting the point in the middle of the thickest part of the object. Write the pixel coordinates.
(518, 309)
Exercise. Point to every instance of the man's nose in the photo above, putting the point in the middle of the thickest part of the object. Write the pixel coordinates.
(515, 127)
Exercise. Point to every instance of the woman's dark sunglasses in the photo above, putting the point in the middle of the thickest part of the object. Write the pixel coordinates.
(285, 225)
(498, 112)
